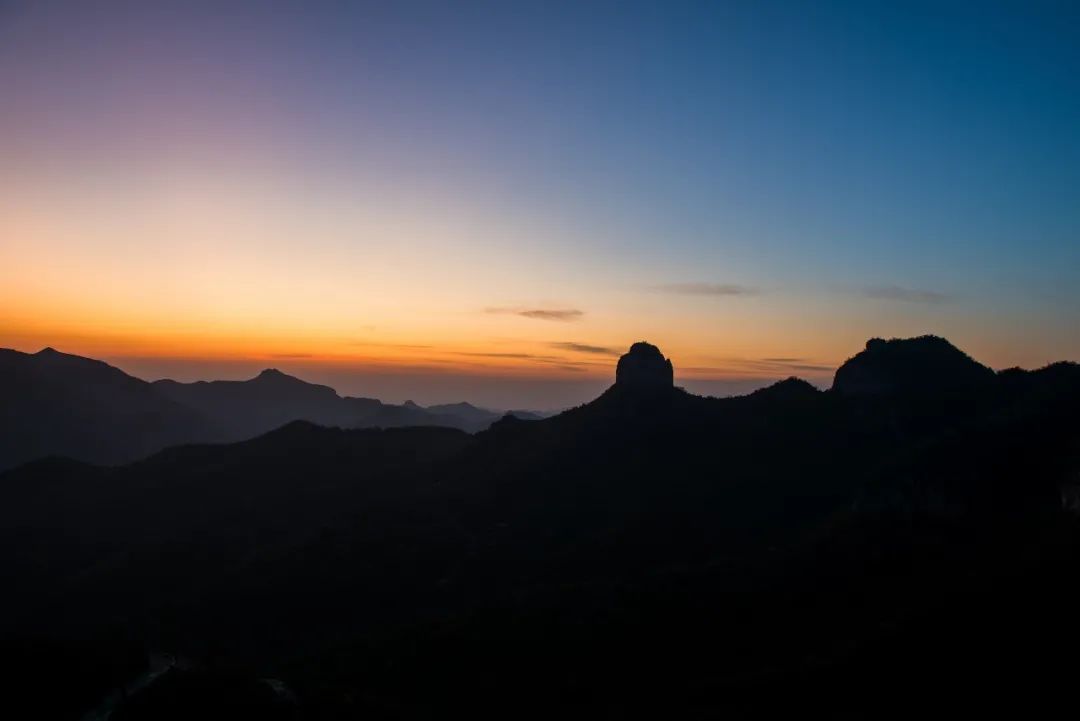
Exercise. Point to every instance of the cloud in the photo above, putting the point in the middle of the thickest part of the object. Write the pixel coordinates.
(563, 315)
(574, 368)
(522, 356)
(401, 346)
(796, 364)
(909, 295)
(713, 289)
(811, 367)
(584, 348)
(768, 366)
(287, 356)
(548, 360)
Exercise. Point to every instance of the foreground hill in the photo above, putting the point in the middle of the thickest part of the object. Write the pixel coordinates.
(56, 404)
(868, 552)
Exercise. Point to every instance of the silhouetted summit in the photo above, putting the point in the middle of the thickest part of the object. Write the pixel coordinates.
(644, 367)
(788, 389)
(909, 365)
(273, 374)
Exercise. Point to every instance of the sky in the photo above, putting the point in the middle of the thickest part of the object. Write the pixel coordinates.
(491, 201)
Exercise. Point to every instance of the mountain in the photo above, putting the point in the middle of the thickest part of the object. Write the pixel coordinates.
(272, 399)
(927, 364)
(479, 418)
(59, 404)
(66, 405)
(644, 367)
(650, 552)
(248, 408)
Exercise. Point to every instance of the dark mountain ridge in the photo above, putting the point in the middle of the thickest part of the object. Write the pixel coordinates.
(870, 550)
(60, 404)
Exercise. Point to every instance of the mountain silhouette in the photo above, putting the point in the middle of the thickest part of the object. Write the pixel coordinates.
(927, 364)
(644, 367)
(479, 418)
(60, 404)
(272, 399)
(652, 551)
(248, 408)
(57, 404)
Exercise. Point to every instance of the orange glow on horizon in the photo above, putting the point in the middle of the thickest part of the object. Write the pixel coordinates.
(192, 274)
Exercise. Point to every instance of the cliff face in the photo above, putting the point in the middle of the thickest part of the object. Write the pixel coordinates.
(909, 365)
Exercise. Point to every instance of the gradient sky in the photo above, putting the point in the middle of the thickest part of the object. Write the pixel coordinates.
(489, 201)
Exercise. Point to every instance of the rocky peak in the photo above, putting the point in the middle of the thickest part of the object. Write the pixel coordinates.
(644, 367)
(909, 365)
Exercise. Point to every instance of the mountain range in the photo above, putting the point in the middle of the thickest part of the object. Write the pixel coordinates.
(903, 543)
(56, 404)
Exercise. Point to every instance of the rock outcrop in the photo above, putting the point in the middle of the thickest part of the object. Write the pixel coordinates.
(644, 367)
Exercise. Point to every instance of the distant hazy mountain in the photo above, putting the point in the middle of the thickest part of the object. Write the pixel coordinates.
(868, 550)
(53, 403)
(480, 418)
(272, 399)
(248, 408)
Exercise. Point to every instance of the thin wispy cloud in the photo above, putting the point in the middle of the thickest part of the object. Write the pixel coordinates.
(585, 348)
(573, 368)
(564, 315)
(767, 366)
(519, 356)
(907, 295)
(401, 346)
(534, 357)
(810, 367)
(709, 289)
